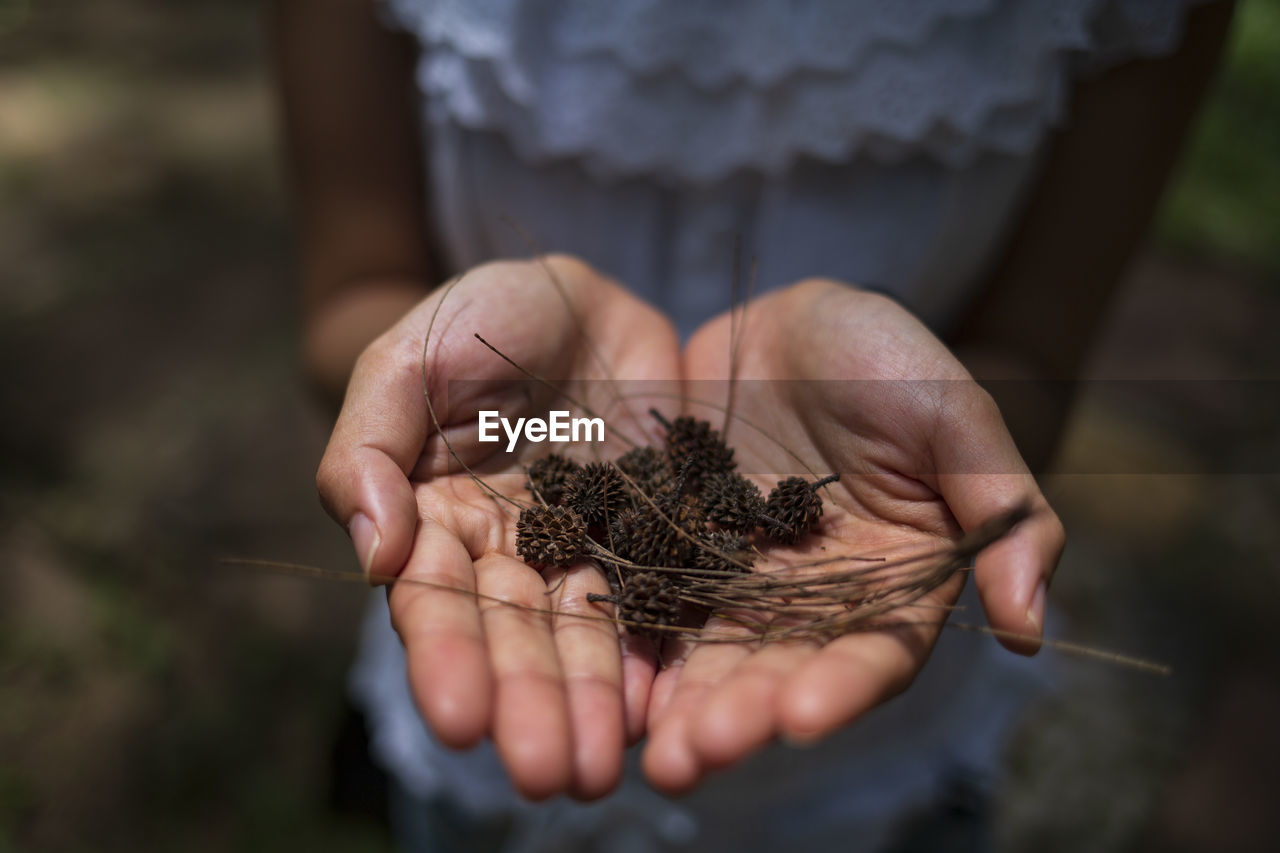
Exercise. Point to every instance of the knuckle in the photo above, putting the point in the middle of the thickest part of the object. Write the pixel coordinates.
(981, 402)
(325, 475)
(1057, 539)
(328, 480)
(1059, 531)
(368, 362)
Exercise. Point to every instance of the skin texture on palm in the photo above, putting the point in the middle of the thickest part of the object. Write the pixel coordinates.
(555, 693)
(923, 456)
(920, 462)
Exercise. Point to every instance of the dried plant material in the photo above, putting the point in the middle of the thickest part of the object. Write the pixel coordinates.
(724, 551)
(549, 476)
(694, 442)
(648, 467)
(793, 509)
(647, 603)
(596, 491)
(732, 501)
(550, 536)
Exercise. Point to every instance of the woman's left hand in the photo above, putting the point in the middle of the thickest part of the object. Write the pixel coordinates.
(853, 384)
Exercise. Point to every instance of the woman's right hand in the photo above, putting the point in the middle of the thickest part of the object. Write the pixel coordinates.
(556, 695)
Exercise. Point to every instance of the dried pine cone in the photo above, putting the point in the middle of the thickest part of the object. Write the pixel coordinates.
(793, 509)
(550, 535)
(722, 544)
(649, 600)
(687, 513)
(644, 537)
(597, 492)
(548, 476)
(649, 467)
(623, 530)
(689, 438)
(732, 501)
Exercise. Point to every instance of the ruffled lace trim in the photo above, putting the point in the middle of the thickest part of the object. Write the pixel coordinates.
(696, 91)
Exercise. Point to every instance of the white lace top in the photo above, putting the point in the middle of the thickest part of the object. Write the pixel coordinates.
(880, 142)
(694, 91)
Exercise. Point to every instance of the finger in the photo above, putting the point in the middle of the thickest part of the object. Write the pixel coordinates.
(981, 476)
(670, 760)
(1013, 576)
(531, 726)
(664, 683)
(592, 668)
(363, 475)
(639, 669)
(850, 676)
(740, 715)
(447, 660)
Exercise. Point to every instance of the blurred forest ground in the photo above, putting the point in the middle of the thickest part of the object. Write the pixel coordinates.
(155, 421)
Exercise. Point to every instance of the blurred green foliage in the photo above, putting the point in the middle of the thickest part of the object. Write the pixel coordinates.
(1225, 201)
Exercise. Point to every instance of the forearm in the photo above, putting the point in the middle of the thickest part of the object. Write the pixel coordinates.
(355, 166)
(1097, 194)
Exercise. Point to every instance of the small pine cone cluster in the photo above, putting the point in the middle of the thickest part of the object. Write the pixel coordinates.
(549, 475)
(792, 510)
(597, 492)
(732, 501)
(694, 441)
(682, 509)
(550, 535)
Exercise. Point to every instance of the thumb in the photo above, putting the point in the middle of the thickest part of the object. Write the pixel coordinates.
(982, 476)
(363, 478)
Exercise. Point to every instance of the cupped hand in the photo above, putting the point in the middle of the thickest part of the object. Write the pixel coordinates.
(556, 695)
(852, 384)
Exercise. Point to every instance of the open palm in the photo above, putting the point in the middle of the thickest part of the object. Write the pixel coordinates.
(840, 380)
(555, 694)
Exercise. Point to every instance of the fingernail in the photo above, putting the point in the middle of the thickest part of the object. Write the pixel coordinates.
(364, 536)
(1035, 610)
